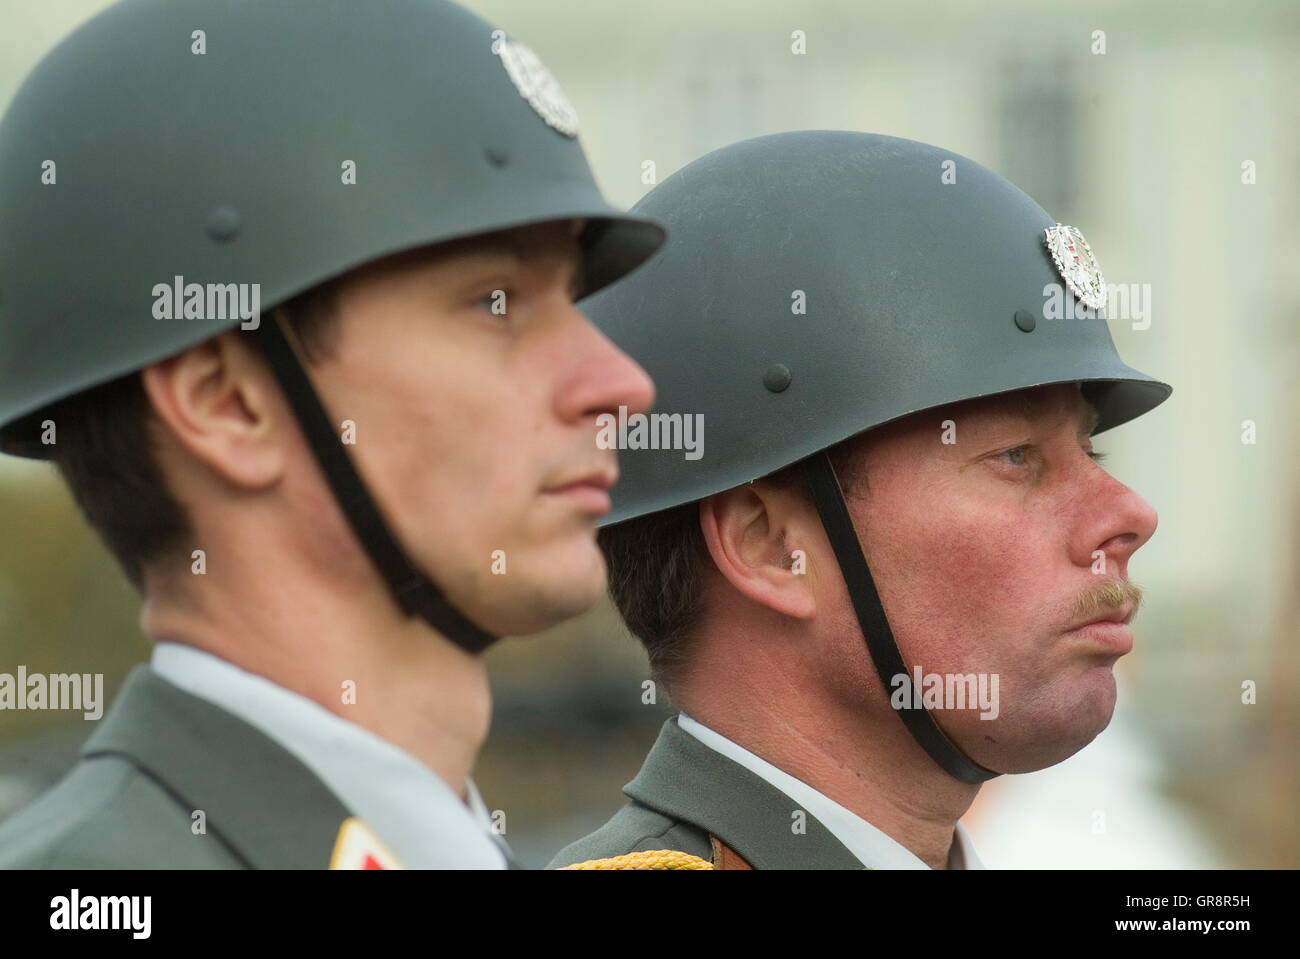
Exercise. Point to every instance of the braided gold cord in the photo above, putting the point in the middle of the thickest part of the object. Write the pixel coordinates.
(648, 859)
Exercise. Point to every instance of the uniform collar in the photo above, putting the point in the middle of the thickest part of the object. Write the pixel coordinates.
(686, 780)
(265, 804)
(412, 810)
(871, 846)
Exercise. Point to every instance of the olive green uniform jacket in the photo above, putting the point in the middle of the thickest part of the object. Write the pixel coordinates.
(689, 798)
(159, 755)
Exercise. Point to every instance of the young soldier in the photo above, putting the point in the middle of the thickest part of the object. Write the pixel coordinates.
(314, 502)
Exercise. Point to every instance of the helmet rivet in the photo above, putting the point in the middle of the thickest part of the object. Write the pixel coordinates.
(1025, 320)
(498, 158)
(777, 378)
(223, 224)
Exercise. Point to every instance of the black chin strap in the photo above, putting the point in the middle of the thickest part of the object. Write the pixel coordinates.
(829, 499)
(412, 590)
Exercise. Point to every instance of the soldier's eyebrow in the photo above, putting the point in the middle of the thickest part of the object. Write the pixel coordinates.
(492, 246)
(534, 247)
(520, 240)
(518, 245)
(1028, 406)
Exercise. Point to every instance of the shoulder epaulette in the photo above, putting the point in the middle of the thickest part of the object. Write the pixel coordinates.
(647, 859)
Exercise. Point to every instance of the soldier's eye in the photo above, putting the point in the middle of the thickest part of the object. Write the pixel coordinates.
(496, 302)
(1016, 457)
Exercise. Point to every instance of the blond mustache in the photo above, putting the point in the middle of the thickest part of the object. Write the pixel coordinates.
(1104, 597)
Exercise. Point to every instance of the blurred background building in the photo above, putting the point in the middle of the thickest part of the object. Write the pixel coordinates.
(1167, 131)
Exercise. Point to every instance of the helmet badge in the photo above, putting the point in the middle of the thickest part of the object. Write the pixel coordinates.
(1076, 264)
(538, 86)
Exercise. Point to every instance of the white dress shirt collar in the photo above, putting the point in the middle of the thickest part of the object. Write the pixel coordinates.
(871, 846)
(416, 814)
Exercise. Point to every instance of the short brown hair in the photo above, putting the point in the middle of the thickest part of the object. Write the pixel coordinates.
(105, 452)
(658, 565)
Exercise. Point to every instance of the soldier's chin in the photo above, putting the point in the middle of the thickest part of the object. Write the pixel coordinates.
(576, 586)
(1026, 746)
(550, 595)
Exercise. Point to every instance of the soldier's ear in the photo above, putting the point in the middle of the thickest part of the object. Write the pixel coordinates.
(753, 534)
(218, 405)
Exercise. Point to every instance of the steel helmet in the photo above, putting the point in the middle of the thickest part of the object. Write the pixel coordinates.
(278, 144)
(916, 292)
